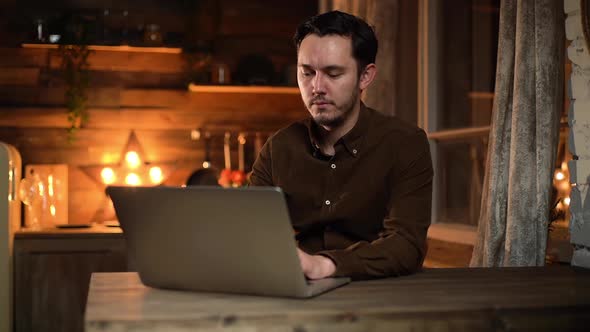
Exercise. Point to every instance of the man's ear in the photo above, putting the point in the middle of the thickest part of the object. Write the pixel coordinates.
(367, 76)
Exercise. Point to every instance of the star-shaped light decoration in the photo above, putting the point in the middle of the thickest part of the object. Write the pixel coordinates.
(132, 170)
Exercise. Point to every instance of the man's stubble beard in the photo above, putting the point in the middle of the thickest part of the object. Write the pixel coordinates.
(343, 112)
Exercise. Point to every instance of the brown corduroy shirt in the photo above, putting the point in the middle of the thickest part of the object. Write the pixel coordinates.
(368, 206)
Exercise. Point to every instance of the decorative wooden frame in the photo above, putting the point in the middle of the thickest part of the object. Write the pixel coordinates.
(585, 12)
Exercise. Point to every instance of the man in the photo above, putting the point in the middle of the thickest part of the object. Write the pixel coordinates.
(358, 183)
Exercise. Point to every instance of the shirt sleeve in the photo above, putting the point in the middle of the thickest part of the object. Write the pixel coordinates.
(261, 174)
(401, 246)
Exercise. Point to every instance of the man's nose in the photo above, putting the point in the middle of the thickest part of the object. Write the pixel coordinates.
(319, 84)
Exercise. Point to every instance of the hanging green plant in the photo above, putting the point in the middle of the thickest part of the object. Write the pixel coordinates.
(76, 74)
(77, 30)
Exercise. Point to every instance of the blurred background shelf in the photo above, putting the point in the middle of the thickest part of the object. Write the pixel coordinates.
(243, 89)
(119, 48)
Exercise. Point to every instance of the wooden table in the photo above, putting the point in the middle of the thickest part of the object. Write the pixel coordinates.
(498, 299)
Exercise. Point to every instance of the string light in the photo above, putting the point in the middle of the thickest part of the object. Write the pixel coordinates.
(559, 206)
(559, 176)
(563, 187)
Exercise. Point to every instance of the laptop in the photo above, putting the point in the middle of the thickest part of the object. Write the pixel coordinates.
(214, 239)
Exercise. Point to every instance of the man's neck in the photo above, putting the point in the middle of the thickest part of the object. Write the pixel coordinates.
(328, 136)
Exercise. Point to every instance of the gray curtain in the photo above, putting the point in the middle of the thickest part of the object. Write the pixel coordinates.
(513, 222)
(383, 16)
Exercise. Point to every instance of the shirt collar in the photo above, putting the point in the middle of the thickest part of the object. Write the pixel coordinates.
(352, 140)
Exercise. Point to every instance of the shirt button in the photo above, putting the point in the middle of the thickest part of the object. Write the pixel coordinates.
(333, 165)
(328, 202)
(354, 151)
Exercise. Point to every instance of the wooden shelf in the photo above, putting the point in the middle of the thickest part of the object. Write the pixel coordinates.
(96, 230)
(243, 89)
(120, 48)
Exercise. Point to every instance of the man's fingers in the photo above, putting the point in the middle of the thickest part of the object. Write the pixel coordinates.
(304, 260)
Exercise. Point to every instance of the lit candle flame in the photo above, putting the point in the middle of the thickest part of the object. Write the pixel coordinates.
(52, 210)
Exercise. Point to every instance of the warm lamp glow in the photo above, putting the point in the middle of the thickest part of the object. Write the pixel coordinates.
(132, 159)
(108, 175)
(566, 201)
(156, 175)
(206, 164)
(41, 189)
(10, 177)
(559, 176)
(52, 210)
(132, 179)
(50, 185)
(564, 186)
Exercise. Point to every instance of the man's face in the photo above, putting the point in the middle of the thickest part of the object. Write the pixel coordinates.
(328, 78)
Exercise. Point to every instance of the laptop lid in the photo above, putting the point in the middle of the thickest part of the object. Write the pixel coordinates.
(237, 240)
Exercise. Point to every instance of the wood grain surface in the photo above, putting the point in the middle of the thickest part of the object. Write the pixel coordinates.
(496, 299)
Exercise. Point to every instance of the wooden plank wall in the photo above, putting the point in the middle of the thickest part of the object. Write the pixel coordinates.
(143, 92)
(126, 95)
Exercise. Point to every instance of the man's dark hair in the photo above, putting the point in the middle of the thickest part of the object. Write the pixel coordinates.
(364, 41)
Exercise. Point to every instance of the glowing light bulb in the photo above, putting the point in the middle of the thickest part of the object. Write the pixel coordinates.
(108, 175)
(206, 164)
(52, 210)
(156, 174)
(132, 179)
(132, 159)
(566, 201)
(559, 176)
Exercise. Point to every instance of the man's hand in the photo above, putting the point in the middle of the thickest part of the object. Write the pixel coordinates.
(316, 266)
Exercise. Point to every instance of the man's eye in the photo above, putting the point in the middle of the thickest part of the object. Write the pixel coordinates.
(335, 75)
(306, 73)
